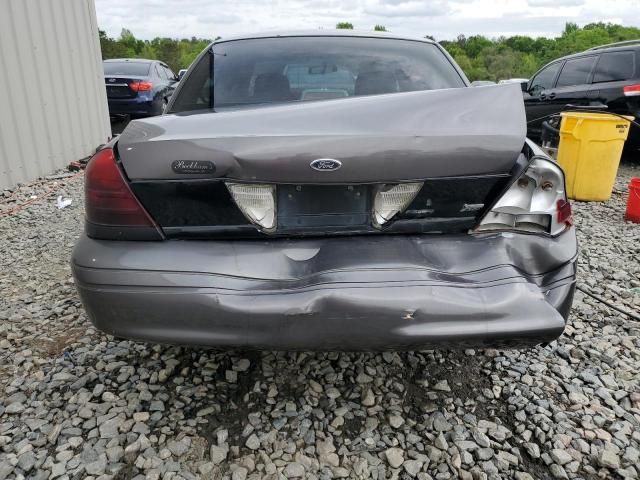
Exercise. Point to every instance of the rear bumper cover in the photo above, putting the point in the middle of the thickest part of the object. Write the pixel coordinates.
(353, 293)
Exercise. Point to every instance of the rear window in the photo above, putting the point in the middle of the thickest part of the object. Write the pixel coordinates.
(297, 69)
(614, 66)
(126, 68)
(576, 71)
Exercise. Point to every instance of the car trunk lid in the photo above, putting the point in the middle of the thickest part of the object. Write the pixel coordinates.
(402, 136)
(119, 86)
(455, 142)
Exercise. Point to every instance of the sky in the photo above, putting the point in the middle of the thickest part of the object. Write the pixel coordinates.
(443, 19)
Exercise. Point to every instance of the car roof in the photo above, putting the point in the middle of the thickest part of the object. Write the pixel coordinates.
(322, 33)
(592, 51)
(131, 60)
(597, 50)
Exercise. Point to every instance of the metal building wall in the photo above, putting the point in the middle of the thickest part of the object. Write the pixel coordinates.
(53, 106)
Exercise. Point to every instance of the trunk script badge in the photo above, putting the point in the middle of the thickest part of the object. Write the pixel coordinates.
(193, 166)
(326, 164)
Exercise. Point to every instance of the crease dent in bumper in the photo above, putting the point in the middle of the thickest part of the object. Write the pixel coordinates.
(334, 293)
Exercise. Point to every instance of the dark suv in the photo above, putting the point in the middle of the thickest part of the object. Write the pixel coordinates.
(608, 75)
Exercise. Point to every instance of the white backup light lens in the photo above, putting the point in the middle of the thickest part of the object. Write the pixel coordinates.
(536, 202)
(257, 202)
(392, 199)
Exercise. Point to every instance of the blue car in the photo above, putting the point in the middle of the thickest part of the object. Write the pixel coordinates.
(138, 87)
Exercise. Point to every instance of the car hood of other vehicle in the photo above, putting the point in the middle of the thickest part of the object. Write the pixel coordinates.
(378, 138)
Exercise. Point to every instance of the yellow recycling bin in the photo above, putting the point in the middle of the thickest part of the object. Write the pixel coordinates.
(589, 153)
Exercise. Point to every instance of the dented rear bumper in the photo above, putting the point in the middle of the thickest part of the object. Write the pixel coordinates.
(353, 293)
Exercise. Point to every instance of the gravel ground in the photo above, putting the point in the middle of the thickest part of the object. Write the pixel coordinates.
(76, 403)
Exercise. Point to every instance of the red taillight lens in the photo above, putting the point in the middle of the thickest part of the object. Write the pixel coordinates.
(141, 86)
(631, 90)
(108, 198)
(565, 215)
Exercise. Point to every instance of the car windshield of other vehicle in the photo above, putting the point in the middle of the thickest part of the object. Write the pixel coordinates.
(614, 66)
(139, 69)
(576, 71)
(294, 69)
(544, 79)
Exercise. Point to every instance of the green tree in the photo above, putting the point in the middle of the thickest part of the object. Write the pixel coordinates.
(175, 53)
(111, 48)
(482, 58)
(380, 28)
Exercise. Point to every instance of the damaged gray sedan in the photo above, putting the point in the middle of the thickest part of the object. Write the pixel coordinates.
(328, 191)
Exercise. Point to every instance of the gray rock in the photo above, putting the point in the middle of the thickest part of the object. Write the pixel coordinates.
(560, 456)
(27, 461)
(115, 453)
(507, 457)
(243, 365)
(484, 453)
(179, 448)
(109, 429)
(218, 454)
(253, 442)
(523, 476)
(532, 449)
(440, 423)
(631, 455)
(14, 408)
(294, 470)
(6, 469)
(97, 467)
(441, 442)
(557, 471)
(58, 469)
(442, 386)
(481, 439)
(394, 456)
(156, 406)
(239, 474)
(331, 459)
(608, 458)
(396, 421)
(368, 399)
(412, 467)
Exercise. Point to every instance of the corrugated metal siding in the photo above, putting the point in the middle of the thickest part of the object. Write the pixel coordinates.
(53, 105)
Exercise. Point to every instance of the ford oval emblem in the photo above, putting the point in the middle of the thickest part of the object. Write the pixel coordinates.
(326, 164)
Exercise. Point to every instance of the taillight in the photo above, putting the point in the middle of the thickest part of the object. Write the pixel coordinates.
(391, 199)
(631, 90)
(141, 86)
(257, 202)
(108, 198)
(536, 202)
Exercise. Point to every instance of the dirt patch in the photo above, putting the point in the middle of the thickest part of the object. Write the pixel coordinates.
(235, 401)
(464, 377)
(55, 345)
